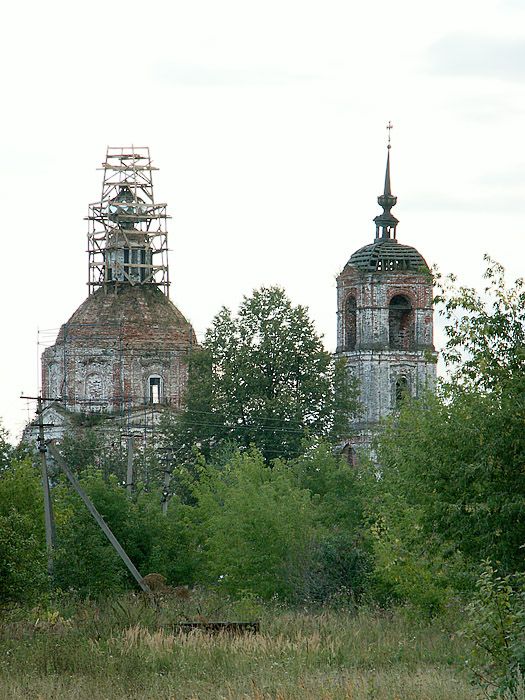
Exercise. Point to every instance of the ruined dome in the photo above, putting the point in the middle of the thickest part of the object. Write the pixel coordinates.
(387, 255)
(126, 346)
(139, 316)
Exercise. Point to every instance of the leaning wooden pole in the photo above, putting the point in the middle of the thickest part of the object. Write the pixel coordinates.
(49, 520)
(99, 519)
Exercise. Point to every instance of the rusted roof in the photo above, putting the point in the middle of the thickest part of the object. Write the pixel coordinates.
(387, 255)
(139, 316)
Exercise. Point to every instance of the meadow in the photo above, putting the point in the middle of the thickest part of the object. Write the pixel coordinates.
(127, 648)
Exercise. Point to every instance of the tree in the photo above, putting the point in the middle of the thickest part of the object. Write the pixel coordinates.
(6, 449)
(485, 333)
(263, 378)
(22, 543)
(339, 560)
(85, 560)
(255, 525)
(452, 486)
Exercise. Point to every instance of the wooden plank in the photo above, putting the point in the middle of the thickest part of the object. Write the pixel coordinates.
(215, 627)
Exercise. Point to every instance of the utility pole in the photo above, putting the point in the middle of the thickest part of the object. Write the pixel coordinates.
(165, 491)
(167, 462)
(99, 519)
(48, 506)
(129, 473)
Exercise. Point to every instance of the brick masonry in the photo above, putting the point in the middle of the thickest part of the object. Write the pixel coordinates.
(115, 342)
(387, 349)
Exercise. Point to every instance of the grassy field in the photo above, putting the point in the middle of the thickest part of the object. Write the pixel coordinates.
(125, 649)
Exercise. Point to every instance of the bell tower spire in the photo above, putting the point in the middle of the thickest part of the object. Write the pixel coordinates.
(386, 223)
(385, 323)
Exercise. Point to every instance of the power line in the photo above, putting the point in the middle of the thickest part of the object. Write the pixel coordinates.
(84, 451)
(254, 425)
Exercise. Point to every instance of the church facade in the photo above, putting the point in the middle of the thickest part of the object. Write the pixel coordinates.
(385, 322)
(124, 351)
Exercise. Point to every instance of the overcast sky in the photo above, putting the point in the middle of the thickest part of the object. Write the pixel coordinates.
(267, 122)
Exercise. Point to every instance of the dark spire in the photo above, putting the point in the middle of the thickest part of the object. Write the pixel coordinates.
(386, 222)
(387, 174)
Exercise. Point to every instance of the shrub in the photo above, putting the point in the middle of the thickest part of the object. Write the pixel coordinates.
(496, 625)
(255, 525)
(23, 573)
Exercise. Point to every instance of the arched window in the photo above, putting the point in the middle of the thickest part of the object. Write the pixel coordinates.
(350, 323)
(154, 389)
(400, 323)
(402, 390)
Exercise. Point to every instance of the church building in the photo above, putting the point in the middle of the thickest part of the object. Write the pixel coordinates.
(124, 351)
(385, 322)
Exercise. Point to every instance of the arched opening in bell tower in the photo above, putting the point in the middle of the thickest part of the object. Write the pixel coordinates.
(400, 323)
(350, 323)
(402, 391)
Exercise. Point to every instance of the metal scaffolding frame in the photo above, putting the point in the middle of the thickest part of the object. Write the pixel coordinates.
(127, 219)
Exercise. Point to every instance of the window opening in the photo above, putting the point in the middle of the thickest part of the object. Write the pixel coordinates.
(402, 391)
(154, 389)
(142, 262)
(350, 323)
(400, 323)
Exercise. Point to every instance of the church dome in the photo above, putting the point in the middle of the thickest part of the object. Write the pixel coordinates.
(127, 345)
(139, 316)
(387, 255)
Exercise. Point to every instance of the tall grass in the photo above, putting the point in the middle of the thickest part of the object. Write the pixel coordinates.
(126, 648)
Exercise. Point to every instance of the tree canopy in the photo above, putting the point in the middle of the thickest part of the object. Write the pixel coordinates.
(485, 332)
(263, 378)
(6, 449)
(452, 486)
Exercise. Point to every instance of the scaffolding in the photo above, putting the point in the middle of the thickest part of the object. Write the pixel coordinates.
(127, 229)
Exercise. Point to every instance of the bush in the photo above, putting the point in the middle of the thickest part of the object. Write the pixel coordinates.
(23, 573)
(255, 524)
(496, 625)
(84, 560)
(339, 561)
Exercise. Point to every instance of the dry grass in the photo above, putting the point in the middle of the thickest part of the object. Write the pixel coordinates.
(100, 654)
(385, 685)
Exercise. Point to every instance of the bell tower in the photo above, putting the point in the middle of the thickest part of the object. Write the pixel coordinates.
(385, 321)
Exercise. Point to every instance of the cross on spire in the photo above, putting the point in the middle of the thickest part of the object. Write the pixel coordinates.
(389, 127)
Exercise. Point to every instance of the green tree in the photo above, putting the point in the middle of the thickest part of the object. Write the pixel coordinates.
(85, 560)
(255, 525)
(88, 445)
(263, 378)
(80, 448)
(6, 449)
(23, 573)
(485, 346)
(340, 560)
(451, 490)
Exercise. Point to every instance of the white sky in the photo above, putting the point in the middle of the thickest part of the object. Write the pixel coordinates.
(267, 121)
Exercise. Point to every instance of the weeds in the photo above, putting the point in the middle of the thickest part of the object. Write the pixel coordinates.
(127, 648)
(496, 626)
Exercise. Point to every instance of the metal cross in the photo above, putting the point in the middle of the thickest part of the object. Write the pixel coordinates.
(389, 126)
